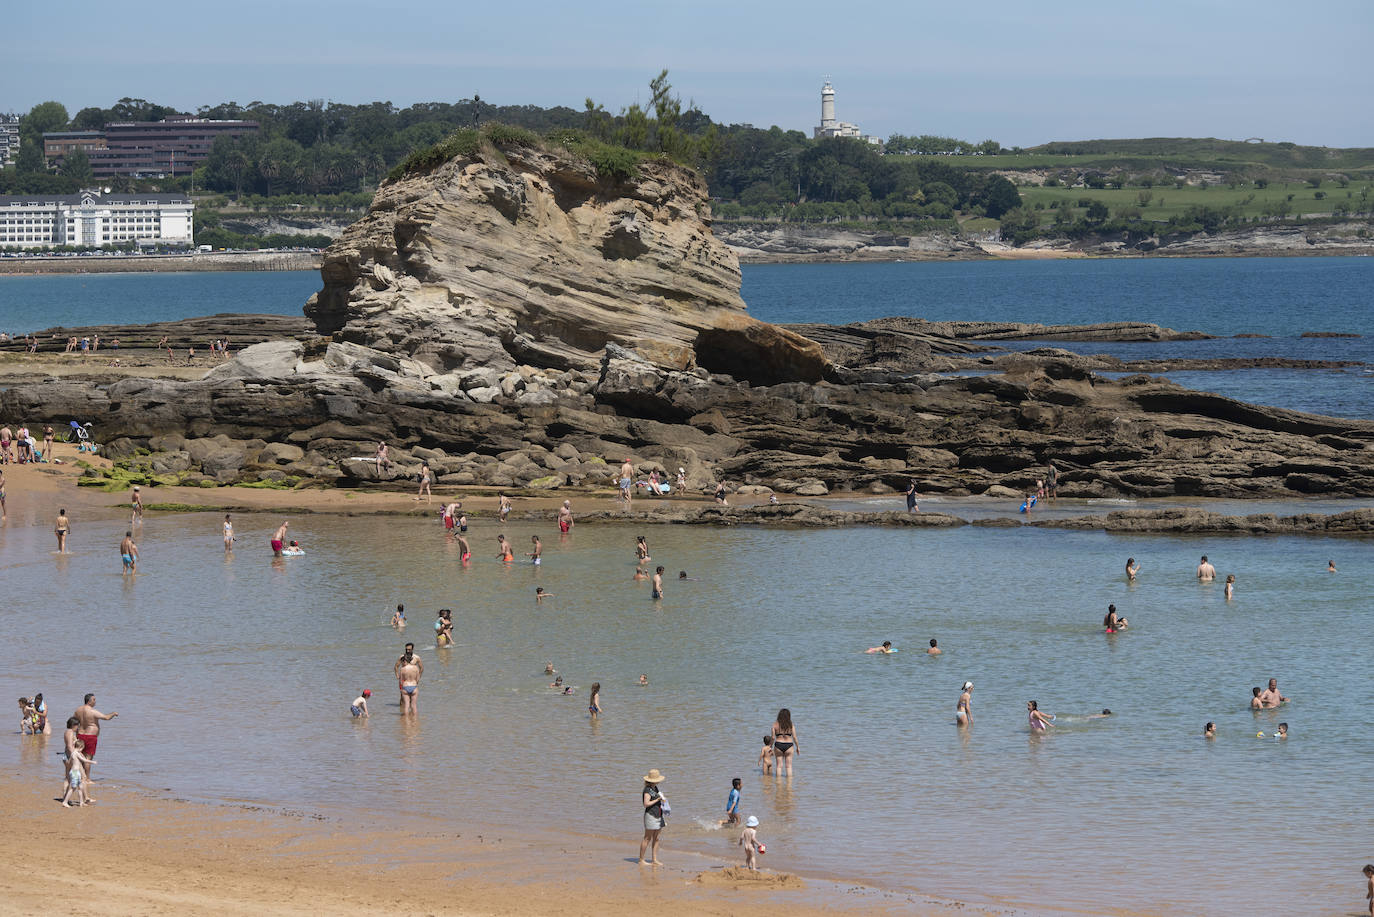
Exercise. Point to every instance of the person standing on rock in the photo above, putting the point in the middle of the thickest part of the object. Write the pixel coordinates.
(911, 506)
(681, 480)
(1205, 571)
(426, 480)
(565, 517)
(1052, 481)
(383, 460)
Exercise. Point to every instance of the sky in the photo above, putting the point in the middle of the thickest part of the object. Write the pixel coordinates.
(1021, 73)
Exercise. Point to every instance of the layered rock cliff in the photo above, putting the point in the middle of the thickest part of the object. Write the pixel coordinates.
(526, 256)
(515, 319)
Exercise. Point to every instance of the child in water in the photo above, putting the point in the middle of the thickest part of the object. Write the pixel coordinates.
(540, 595)
(398, 620)
(765, 761)
(1230, 585)
(359, 705)
(1369, 886)
(749, 840)
(594, 703)
(732, 804)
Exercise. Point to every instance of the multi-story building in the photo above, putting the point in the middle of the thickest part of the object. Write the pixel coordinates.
(57, 144)
(148, 149)
(90, 219)
(9, 139)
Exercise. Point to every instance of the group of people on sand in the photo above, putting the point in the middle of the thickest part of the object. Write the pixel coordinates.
(21, 448)
(79, 741)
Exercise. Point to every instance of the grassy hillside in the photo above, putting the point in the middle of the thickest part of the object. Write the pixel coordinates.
(1277, 161)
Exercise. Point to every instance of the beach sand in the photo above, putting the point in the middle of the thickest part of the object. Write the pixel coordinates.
(132, 853)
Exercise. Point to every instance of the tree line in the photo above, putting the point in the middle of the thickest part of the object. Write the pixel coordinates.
(316, 147)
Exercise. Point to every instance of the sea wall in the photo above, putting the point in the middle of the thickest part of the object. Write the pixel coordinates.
(190, 261)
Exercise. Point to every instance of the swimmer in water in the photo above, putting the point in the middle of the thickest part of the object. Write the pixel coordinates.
(464, 550)
(1111, 621)
(963, 710)
(1255, 702)
(658, 583)
(1039, 722)
(886, 648)
(643, 681)
(1330, 566)
(536, 555)
(1230, 586)
(1205, 571)
(1132, 568)
(1272, 697)
(540, 595)
(934, 648)
(398, 619)
(642, 550)
(1283, 731)
(682, 574)
(1209, 731)
(557, 683)
(548, 669)
(594, 702)
(507, 555)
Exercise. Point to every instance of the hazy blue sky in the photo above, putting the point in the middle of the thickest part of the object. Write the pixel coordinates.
(1022, 72)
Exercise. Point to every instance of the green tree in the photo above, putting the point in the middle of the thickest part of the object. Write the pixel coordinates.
(42, 118)
(1000, 196)
(76, 165)
(1097, 212)
(30, 159)
(90, 119)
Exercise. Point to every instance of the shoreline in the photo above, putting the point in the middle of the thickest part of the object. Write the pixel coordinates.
(190, 262)
(1142, 516)
(137, 852)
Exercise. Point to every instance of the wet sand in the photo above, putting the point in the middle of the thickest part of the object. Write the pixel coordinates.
(132, 853)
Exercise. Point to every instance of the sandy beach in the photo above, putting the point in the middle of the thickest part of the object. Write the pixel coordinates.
(134, 854)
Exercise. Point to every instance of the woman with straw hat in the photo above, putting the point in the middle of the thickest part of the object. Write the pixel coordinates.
(655, 808)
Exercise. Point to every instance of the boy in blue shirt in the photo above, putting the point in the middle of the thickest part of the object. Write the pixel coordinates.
(732, 804)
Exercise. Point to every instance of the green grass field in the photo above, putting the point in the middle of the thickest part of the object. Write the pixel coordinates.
(1160, 203)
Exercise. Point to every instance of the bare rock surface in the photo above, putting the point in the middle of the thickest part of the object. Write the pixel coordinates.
(517, 320)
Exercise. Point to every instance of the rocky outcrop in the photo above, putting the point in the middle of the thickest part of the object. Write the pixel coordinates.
(527, 257)
(514, 319)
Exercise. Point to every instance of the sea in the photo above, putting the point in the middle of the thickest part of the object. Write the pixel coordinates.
(225, 667)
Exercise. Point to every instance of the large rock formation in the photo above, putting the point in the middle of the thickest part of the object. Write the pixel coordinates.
(527, 257)
(515, 320)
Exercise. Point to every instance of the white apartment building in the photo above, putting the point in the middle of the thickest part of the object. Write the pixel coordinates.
(91, 219)
(9, 139)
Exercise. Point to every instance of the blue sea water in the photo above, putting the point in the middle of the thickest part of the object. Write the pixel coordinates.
(1131, 814)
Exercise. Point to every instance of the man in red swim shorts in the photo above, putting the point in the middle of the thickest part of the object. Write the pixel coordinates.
(88, 729)
(279, 539)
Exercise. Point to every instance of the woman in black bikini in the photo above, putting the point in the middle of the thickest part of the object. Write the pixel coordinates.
(784, 742)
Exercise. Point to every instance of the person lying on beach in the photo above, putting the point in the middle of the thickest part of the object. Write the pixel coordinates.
(886, 648)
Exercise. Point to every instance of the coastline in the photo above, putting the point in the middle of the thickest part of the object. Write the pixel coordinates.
(135, 852)
(163, 264)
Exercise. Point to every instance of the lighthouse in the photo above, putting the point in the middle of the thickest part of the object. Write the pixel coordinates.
(827, 108)
(829, 127)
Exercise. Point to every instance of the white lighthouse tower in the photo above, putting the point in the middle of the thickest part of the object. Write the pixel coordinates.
(829, 127)
(827, 109)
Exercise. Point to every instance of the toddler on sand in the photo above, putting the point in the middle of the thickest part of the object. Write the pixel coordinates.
(749, 840)
(76, 777)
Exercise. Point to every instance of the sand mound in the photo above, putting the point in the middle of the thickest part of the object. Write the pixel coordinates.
(739, 877)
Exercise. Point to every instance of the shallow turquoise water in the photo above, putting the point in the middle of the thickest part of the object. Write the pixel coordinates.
(222, 669)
